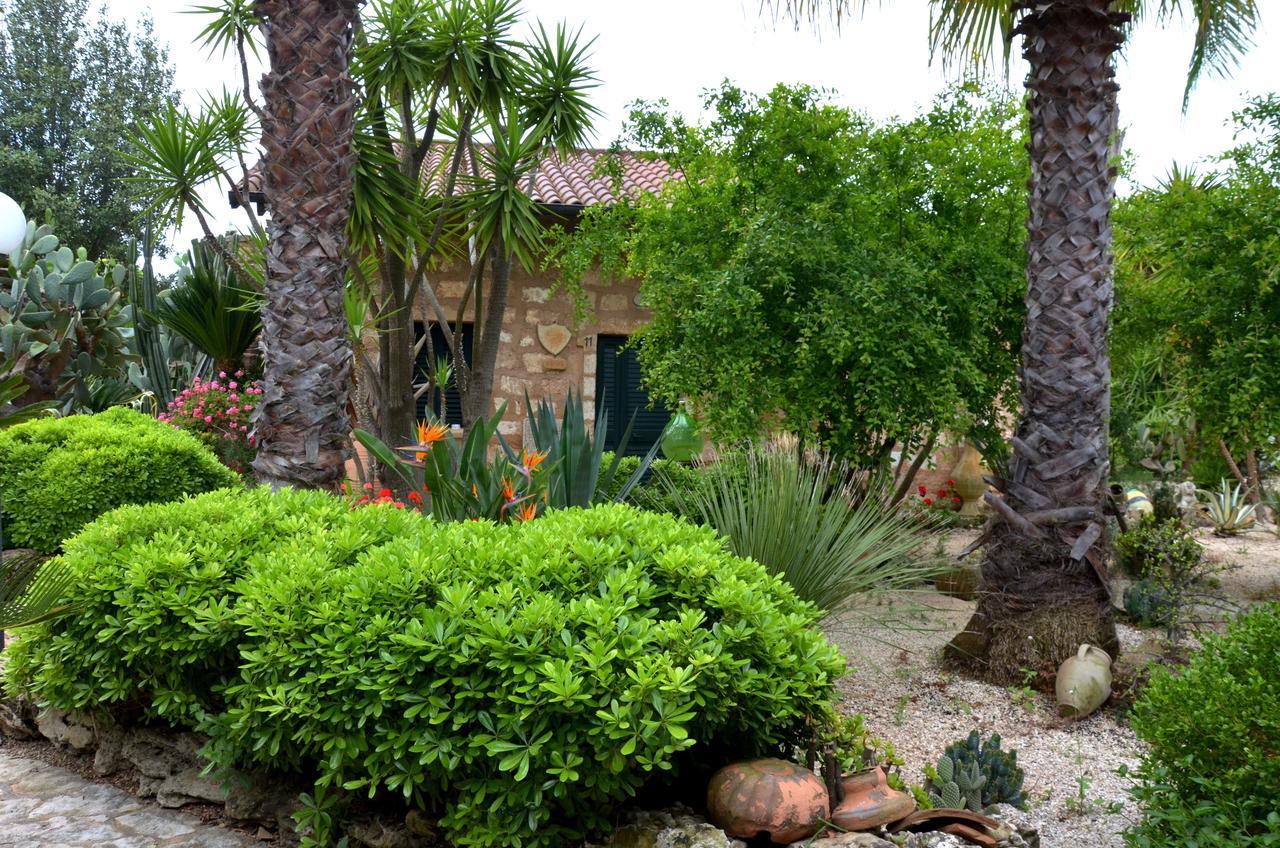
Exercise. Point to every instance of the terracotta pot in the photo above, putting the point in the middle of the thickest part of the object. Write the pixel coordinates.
(870, 802)
(1084, 682)
(969, 484)
(783, 800)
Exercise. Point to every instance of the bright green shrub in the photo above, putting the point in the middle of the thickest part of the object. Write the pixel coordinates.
(58, 474)
(1213, 727)
(530, 677)
(155, 587)
(524, 679)
(653, 494)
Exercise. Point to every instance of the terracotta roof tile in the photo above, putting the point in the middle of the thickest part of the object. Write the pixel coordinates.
(570, 181)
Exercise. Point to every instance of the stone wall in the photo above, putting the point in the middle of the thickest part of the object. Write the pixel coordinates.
(535, 325)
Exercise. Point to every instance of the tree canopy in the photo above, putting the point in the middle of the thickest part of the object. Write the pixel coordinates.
(72, 86)
(1196, 340)
(815, 270)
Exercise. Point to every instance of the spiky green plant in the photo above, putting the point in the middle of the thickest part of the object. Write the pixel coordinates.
(212, 307)
(827, 529)
(575, 454)
(1228, 509)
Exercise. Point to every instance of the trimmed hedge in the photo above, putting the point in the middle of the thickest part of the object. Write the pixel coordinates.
(58, 474)
(524, 679)
(1212, 774)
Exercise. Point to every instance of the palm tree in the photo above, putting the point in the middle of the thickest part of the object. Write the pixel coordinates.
(309, 105)
(1044, 578)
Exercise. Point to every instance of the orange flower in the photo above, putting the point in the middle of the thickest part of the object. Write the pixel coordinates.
(531, 461)
(528, 512)
(508, 490)
(428, 435)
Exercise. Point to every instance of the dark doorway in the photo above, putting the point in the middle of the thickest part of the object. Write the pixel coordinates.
(618, 387)
(435, 349)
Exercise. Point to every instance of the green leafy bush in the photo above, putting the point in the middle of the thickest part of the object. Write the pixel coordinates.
(156, 602)
(1213, 731)
(652, 493)
(58, 474)
(1152, 546)
(523, 679)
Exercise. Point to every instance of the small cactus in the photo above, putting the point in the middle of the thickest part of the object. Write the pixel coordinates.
(972, 775)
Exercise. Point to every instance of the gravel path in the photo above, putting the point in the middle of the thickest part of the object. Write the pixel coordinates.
(43, 806)
(1075, 796)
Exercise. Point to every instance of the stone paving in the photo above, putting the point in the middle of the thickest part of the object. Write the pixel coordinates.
(43, 806)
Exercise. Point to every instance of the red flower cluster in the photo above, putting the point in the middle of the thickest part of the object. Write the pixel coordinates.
(386, 497)
(944, 498)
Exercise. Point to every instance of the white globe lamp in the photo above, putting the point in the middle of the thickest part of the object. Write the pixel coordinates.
(13, 225)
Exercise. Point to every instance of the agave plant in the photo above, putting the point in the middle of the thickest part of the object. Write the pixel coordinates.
(830, 531)
(576, 454)
(1228, 510)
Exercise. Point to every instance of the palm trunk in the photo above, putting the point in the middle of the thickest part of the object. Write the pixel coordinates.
(1044, 585)
(478, 398)
(301, 424)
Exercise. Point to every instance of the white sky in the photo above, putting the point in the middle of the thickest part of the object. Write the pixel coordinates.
(878, 63)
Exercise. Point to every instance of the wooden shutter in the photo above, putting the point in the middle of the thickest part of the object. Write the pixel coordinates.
(619, 388)
(435, 349)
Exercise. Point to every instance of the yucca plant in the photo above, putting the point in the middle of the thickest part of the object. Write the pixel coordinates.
(827, 529)
(1228, 509)
(576, 454)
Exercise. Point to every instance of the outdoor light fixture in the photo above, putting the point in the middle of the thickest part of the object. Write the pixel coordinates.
(13, 225)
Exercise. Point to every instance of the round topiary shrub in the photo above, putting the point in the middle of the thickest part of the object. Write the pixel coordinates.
(153, 629)
(1212, 772)
(528, 677)
(521, 679)
(58, 474)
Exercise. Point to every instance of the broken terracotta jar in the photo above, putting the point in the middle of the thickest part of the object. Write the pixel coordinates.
(869, 802)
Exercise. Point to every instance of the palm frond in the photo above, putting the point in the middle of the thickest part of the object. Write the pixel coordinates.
(211, 308)
(31, 588)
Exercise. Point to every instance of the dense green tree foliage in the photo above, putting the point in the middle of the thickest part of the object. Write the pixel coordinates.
(1196, 340)
(854, 280)
(71, 87)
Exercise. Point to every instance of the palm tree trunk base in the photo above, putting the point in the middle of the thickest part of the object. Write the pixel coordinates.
(1002, 648)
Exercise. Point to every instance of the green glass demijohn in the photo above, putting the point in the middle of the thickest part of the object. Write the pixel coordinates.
(681, 441)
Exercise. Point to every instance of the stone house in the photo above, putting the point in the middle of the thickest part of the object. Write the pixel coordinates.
(542, 352)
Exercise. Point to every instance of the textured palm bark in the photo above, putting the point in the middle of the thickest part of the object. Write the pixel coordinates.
(1044, 586)
(302, 425)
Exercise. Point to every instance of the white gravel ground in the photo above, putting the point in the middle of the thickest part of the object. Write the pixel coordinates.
(908, 699)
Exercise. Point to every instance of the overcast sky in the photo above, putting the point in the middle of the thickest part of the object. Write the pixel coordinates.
(879, 63)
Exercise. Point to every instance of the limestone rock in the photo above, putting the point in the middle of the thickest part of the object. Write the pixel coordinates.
(109, 758)
(677, 827)
(934, 839)
(159, 755)
(261, 800)
(1026, 827)
(381, 834)
(189, 786)
(844, 840)
(66, 730)
(18, 719)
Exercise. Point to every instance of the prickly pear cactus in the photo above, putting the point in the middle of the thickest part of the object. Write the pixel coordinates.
(60, 319)
(974, 775)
